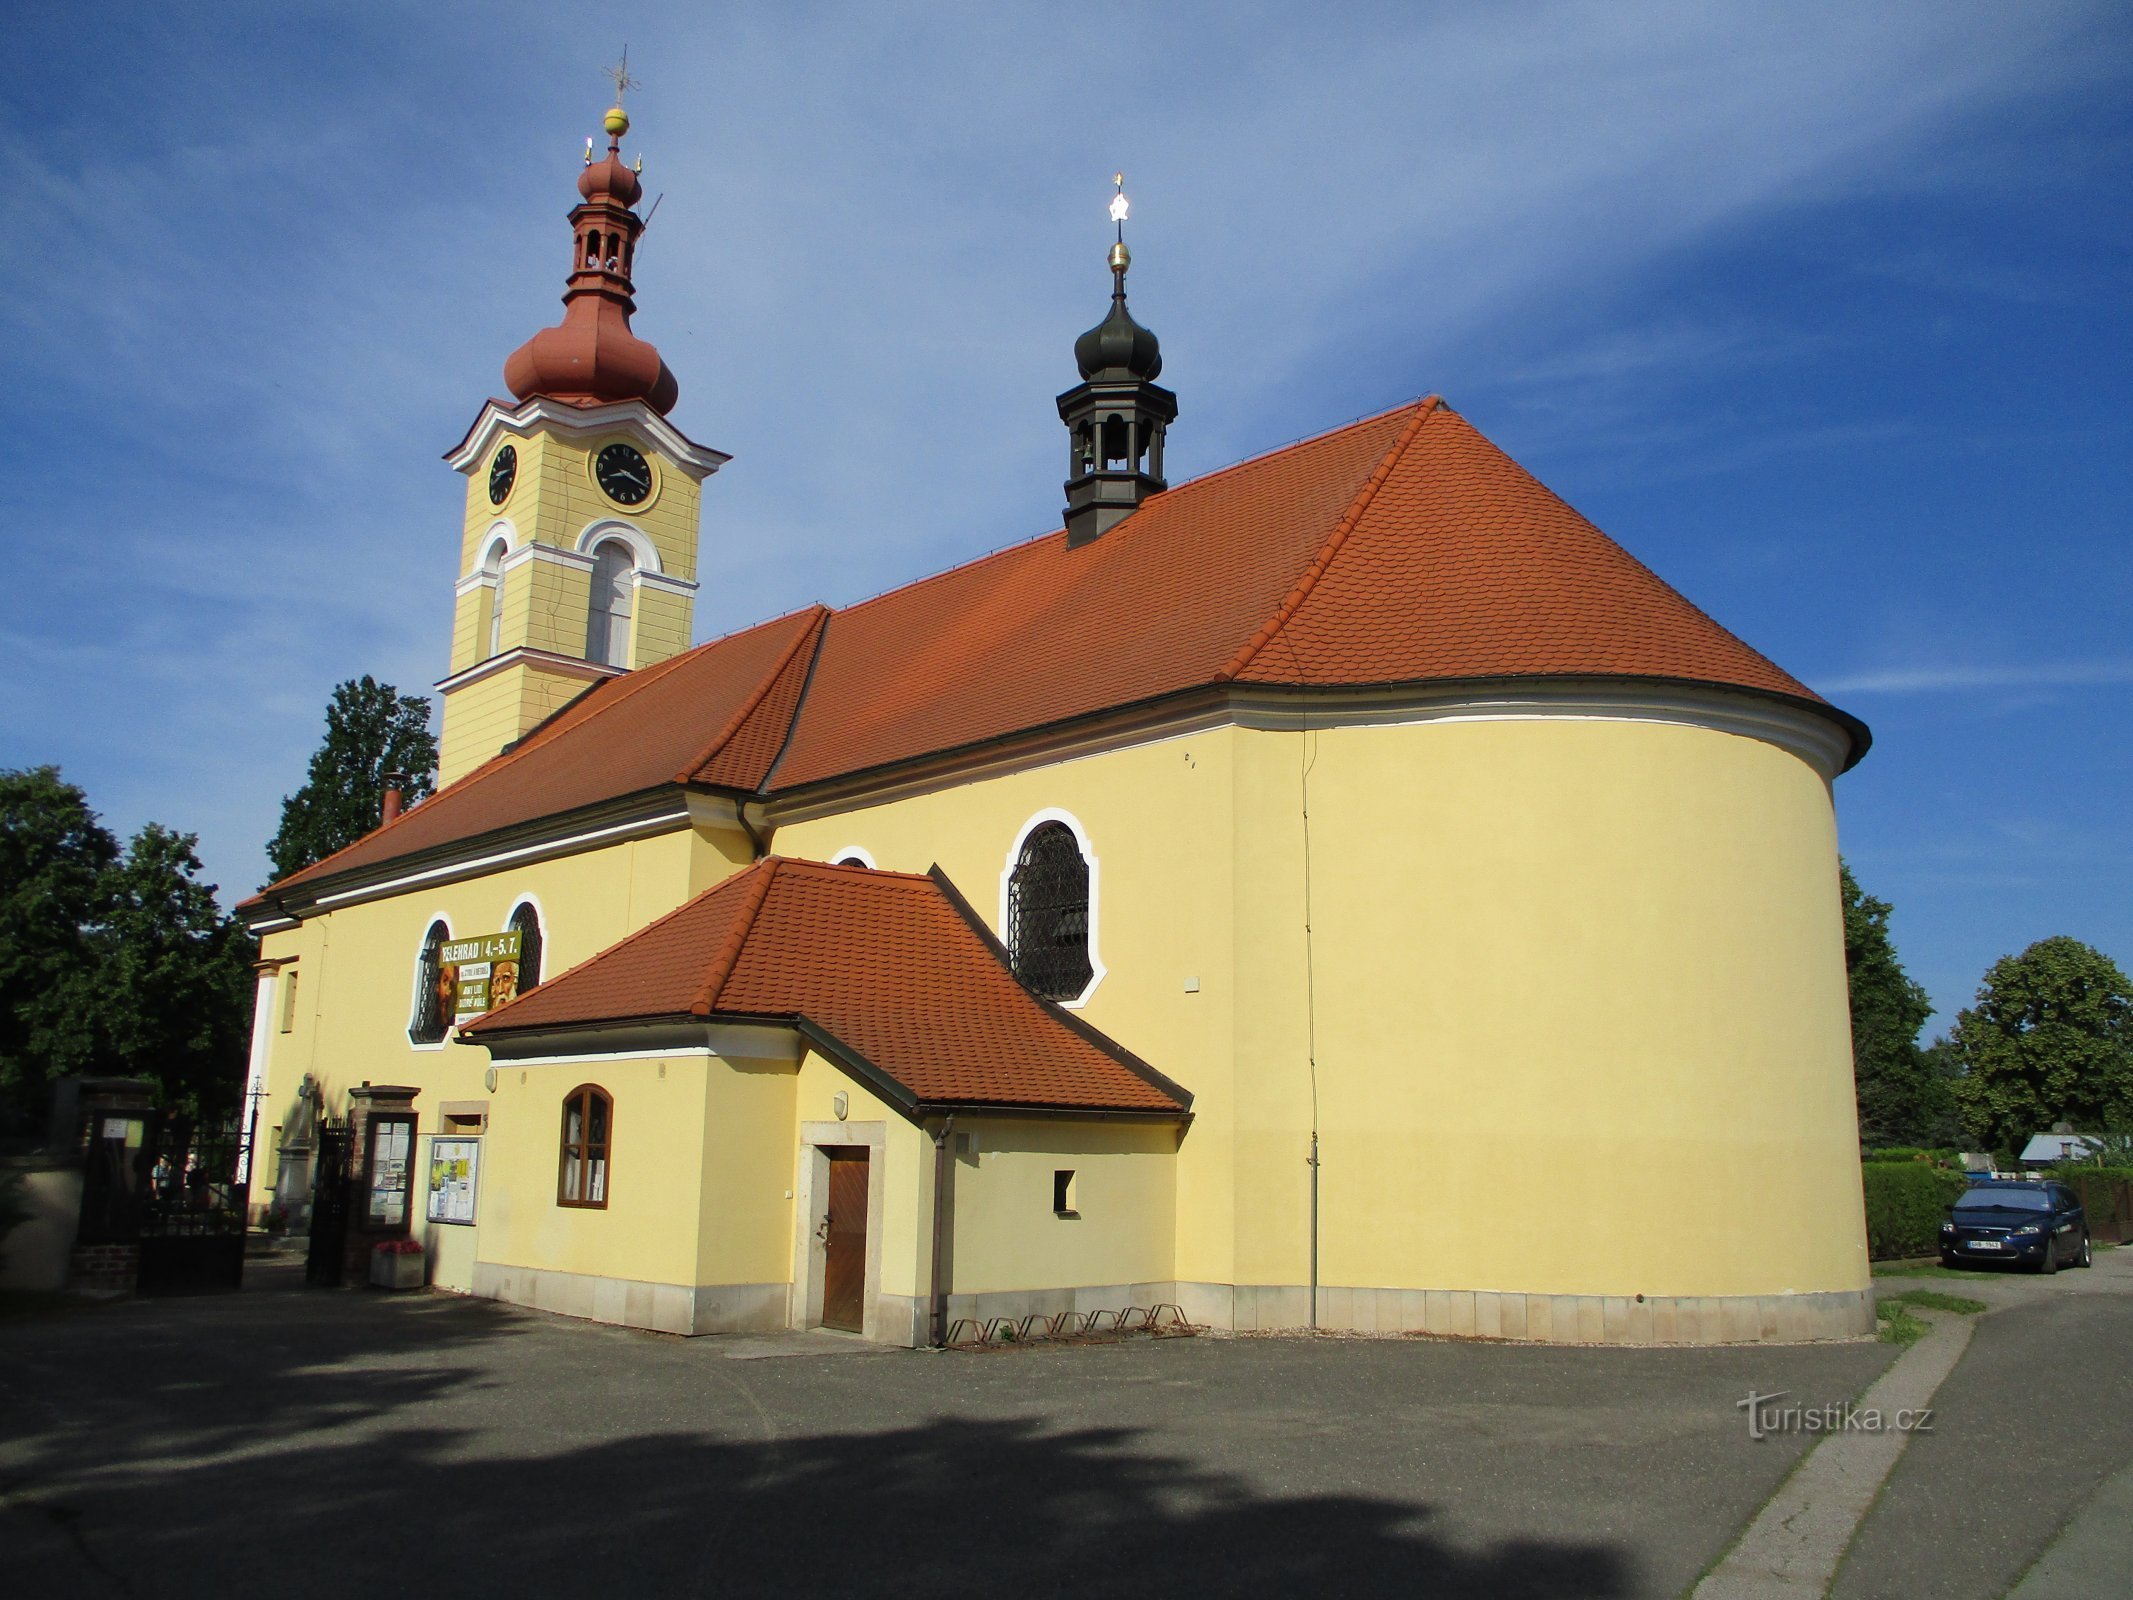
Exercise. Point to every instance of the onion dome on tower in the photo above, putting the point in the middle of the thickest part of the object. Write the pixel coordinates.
(1117, 415)
(593, 356)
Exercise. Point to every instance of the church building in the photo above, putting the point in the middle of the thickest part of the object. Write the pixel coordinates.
(1345, 890)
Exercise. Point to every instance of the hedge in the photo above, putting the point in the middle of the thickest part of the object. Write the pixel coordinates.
(2106, 1194)
(1906, 1202)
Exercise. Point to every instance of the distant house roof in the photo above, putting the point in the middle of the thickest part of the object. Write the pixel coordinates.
(1404, 549)
(2061, 1147)
(888, 972)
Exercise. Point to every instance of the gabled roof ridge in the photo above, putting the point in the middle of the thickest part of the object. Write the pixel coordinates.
(747, 709)
(1293, 601)
(873, 874)
(1020, 545)
(729, 948)
(602, 957)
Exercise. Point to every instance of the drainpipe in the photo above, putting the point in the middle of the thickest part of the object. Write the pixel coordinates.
(1314, 1230)
(937, 1308)
(755, 840)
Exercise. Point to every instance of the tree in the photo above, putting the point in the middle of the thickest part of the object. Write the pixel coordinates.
(55, 865)
(176, 974)
(113, 962)
(1902, 1099)
(371, 729)
(2050, 1039)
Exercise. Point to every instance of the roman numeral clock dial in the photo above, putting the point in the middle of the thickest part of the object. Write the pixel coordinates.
(624, 476)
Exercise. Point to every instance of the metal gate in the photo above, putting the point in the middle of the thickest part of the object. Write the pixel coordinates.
(327, 1260)
(193, 1196)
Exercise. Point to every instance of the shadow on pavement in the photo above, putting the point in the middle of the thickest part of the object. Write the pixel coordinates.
(281, 1462)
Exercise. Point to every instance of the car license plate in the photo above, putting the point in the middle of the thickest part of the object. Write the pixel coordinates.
(1986, 1244)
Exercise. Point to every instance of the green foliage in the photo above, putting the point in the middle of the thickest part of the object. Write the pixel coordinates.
(2050, 1039)
(1901, 1094)
(55, 865)
(2099, 1190)
(112, 962)
(371, 729)
(1896, 1324)
(1906, 1202)
(1933, 1300)
(176, 974)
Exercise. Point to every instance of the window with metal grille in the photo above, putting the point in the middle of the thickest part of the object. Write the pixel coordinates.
(528, 923)
(1048, 914)
(433, 989)
(588, 1125)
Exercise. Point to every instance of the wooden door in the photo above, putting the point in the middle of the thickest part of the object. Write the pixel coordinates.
(844, 1269)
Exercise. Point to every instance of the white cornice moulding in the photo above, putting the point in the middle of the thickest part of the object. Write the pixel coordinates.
(1821, 743)
(628, 416)
(687, 809)
(684, 587)
(547, 660)
(747, 1040)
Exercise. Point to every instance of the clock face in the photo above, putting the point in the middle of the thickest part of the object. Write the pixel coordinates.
(624, 474)
(501, 471)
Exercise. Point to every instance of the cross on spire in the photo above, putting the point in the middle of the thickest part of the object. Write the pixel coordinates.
(620, 75)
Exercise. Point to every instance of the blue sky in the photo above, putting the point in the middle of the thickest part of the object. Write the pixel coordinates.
(1822, 310)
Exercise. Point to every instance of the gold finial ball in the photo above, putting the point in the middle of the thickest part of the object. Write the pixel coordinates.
(616, 122)
(1121, 257)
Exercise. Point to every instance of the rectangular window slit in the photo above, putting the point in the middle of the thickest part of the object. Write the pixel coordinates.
(1063, 1193)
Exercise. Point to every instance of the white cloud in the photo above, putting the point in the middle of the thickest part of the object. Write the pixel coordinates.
(1944, 678)
(296, 256)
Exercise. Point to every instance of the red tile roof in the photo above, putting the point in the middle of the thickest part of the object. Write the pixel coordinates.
(890, 966)
(715, 715)
(1404, 548)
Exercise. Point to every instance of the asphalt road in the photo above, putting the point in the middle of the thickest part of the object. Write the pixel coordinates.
(346, 1443)
(2037, 1416)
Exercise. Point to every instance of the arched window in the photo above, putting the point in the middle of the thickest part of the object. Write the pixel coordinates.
(1048, 914)
(607, 628)
(588, 1127)
(492, 564)
(433, 989)
(526, 920)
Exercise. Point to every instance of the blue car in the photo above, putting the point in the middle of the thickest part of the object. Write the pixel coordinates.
(2032, 1221)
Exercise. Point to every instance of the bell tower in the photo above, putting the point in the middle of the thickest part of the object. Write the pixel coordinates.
(578, 554)
(1116, 417)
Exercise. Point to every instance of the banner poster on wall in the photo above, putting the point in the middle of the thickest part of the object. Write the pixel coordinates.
(454, 1164)
(484, 972)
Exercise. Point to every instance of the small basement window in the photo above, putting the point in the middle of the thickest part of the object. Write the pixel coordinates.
(1063, 1193)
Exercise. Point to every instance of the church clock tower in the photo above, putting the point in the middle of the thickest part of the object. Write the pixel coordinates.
(578, 557)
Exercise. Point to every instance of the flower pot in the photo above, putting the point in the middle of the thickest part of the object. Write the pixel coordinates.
(396, 1269)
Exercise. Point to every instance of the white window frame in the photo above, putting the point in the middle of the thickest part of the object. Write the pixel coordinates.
(855, 853)
(540, 913)
(1073, 825)
(414, 1007)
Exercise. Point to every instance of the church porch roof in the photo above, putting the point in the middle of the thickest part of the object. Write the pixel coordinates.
(889, 971)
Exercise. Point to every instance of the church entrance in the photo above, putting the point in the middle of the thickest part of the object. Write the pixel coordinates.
(844, 1266)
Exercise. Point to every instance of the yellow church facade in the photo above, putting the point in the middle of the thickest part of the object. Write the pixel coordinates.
(1343, 891)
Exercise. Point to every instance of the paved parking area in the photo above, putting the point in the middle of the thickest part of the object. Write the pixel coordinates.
(2032, 1426)
(330, 1443)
